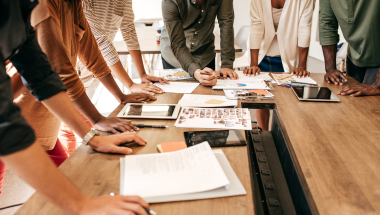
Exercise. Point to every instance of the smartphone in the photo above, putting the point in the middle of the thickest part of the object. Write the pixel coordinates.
(218, 138)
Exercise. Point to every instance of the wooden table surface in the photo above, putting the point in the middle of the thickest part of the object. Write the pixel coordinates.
(335, 147)
(148, 42)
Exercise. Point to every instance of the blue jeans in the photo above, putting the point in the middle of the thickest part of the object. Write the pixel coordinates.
(271, 64)
(365, 75)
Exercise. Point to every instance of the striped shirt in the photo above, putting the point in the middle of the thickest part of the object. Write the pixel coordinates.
(105, 18)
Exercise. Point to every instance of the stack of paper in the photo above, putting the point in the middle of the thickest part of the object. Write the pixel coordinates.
(192, 173)
(223, 118)
(178, 87)
(287, 78)
(194, 100)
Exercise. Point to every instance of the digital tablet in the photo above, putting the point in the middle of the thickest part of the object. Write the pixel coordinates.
(320, 94)
(150, 111)
(218, 138)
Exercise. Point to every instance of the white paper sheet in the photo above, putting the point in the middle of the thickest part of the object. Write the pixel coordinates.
(262, 75)
(235, 188)
(194, 100)
(172, 74)
(178, 87)
(254, 84)
(190, 170)
(223, 118)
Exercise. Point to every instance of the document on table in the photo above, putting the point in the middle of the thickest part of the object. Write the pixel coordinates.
(190, 170)
(254, 84)
(223, 118)
(288, 78)
(194, 100)
(173, 74)
(178, 87)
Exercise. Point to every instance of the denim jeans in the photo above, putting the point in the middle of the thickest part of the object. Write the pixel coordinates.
(365, 75)
(271, 64)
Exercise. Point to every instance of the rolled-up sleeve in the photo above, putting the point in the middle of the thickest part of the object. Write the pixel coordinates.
(304, 29)
(177, 37)
(256, 29)
(328, 24)
(226, 23)
(34, 67)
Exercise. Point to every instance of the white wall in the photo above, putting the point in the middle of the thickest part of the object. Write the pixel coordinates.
(241, 9)
(146, 9)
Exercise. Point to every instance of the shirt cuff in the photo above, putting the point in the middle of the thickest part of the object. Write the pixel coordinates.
(52, 82)
(192, 68)
(227, 64)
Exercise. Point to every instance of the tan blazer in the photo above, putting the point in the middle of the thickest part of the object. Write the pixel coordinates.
(293, 30)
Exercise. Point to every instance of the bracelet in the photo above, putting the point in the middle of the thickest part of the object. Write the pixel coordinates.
(89, 136)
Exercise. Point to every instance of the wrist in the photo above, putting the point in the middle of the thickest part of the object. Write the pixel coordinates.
(197, 73)
(94, 142)
(80, 205)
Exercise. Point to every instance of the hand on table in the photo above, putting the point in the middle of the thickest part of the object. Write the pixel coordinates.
(147, 88)
(148, 79)
(110, 143)
(360, 90)
(136, 98)
(332, 76)
(206, 77)
(300, 72)
(112, 123)
(114, 205)
(253, 70)
(226, 72)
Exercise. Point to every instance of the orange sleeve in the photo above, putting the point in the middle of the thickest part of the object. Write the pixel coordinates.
(89, 52)
(49, 36)
(45, 21)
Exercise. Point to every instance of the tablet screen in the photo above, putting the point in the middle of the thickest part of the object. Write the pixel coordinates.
(313, 93)
(149, 110)
(215, 138)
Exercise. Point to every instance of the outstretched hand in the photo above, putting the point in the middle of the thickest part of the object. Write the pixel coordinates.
(111, 143)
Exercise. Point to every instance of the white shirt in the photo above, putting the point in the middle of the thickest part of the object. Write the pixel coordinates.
(294, 29)
(274, 50)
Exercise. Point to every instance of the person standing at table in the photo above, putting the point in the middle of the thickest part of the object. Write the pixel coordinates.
(358, 21)
(105, 17)
(19, 147)
(279, 40)
(187, 40)
(64, 35)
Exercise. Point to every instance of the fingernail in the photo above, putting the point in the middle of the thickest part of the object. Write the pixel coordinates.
(129, 151)
(137, 129)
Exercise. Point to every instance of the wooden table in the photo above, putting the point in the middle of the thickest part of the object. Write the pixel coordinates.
(148, 42)
(334, 148)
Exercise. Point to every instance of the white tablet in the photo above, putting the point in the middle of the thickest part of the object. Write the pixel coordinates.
(150, 111)
(317, 94)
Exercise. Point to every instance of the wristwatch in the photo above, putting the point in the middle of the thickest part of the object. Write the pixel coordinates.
(89, 136)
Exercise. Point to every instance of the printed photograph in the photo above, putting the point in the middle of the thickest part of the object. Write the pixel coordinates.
(181, 121)
(191, 116)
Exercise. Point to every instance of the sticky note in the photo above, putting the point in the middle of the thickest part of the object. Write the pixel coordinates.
(173, 146)
(215, 102)
(260, 92)
(181, 73)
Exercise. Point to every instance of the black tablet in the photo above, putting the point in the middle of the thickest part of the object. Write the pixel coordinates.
(320, 94)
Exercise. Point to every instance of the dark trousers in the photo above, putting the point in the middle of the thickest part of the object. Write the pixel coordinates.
(166, 65)
(365, 75)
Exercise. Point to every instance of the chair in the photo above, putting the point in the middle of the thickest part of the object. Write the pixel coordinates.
(241, 39)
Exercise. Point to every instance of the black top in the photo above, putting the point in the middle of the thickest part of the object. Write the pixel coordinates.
(18, 43)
